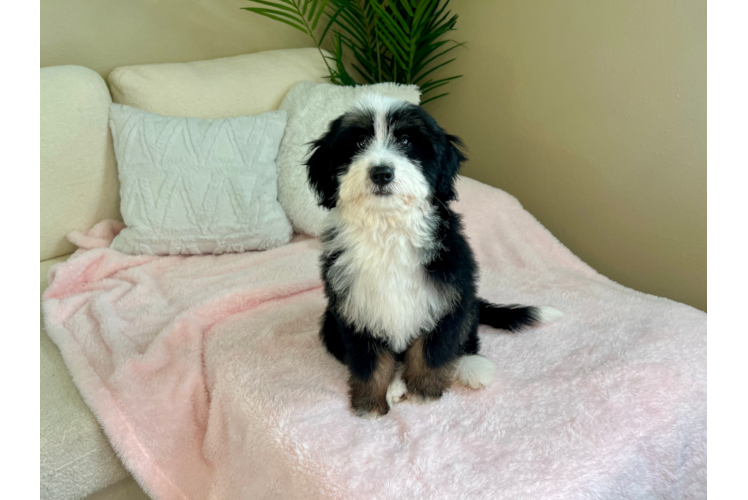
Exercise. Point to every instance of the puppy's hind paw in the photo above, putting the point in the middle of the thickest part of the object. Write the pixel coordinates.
(474, 371)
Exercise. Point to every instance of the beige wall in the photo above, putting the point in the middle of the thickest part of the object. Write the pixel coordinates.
(593, 114)
(105, 34)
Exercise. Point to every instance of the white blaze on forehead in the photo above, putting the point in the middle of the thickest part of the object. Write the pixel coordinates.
(378, 103)
(381, 107)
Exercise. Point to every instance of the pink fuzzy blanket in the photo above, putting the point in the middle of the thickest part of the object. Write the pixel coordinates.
(208, 377)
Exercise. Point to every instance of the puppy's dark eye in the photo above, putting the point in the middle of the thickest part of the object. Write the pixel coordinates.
(404, 141)
(361, 144)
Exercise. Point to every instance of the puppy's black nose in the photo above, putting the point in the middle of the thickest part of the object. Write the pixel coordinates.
(381, 176)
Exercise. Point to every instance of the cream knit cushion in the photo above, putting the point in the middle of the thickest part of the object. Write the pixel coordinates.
(311, 107)
(78, 172)
(220, 88)
(192, 186)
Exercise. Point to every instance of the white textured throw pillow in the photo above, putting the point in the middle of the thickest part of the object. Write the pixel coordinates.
(311, 107)
(192, 186)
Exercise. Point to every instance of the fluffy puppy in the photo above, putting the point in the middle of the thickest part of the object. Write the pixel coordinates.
(400, 277)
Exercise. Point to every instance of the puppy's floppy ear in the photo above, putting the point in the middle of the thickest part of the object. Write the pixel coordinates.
(452, 158)
(320, 170)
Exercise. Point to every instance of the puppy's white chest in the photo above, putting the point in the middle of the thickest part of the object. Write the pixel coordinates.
(383, 285)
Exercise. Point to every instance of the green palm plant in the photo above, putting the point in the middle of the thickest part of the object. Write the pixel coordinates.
(401, 41)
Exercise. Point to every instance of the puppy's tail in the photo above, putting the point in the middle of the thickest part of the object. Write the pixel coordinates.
(515, 317)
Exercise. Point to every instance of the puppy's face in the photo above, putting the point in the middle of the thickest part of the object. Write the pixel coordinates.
(384, 155)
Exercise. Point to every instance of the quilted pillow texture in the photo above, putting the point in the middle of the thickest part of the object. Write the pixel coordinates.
(311, 107)
(193, 186)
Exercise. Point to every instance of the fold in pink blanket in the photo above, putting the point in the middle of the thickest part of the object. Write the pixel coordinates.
(208, 377)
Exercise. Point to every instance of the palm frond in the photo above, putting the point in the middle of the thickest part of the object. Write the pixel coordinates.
(398, 41)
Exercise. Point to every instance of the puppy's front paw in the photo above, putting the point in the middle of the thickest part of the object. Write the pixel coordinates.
(426, 384)
(424, 389)
(370, 410)
(367, 403)
(370, 415)
(423, 397)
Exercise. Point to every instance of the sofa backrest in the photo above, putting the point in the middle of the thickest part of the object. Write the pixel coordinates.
(79, 184)
(249, 84)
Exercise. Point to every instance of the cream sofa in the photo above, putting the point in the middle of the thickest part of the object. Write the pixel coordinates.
(79, 187)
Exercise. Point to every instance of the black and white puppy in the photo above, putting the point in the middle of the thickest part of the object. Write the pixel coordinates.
(400, 277)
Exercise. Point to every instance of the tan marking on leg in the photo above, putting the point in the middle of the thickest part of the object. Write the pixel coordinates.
(422, 380)
(369, 397)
